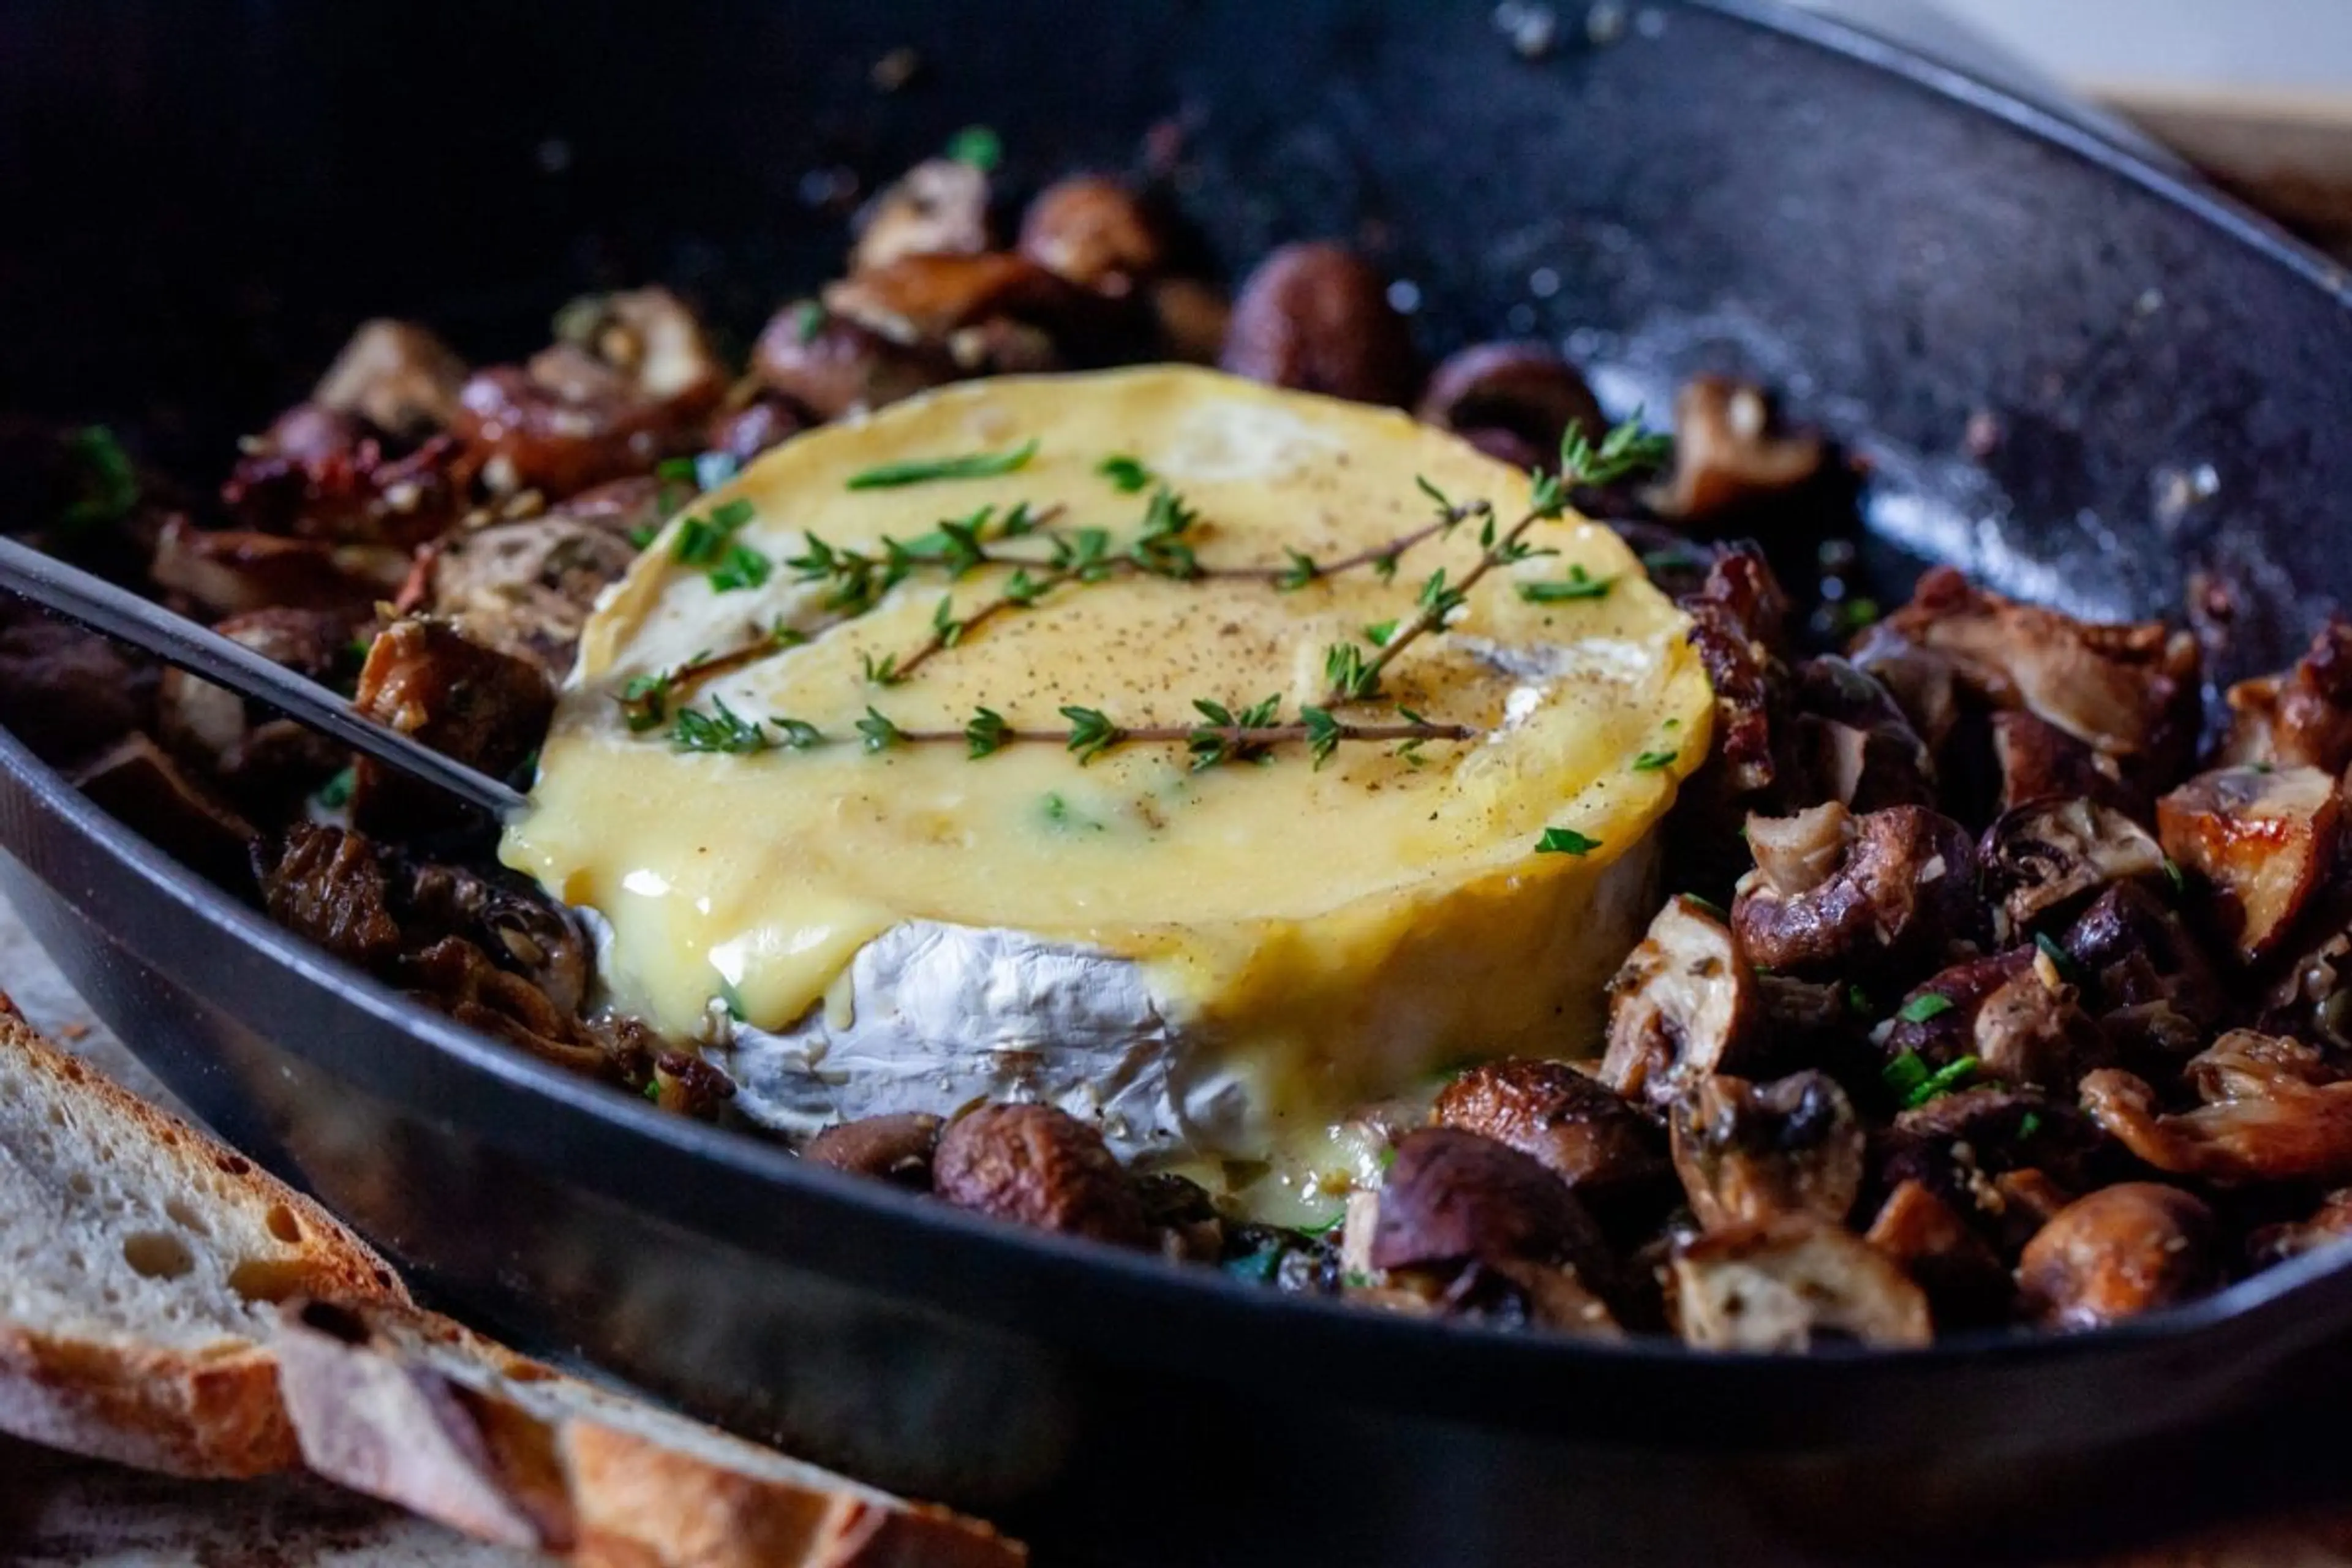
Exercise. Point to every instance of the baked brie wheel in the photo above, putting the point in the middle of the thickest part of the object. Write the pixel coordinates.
(895, 771)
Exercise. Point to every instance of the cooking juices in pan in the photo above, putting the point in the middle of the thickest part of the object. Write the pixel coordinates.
(1768, 966)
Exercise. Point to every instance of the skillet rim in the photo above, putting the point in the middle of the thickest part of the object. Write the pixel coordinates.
(2276, 1304)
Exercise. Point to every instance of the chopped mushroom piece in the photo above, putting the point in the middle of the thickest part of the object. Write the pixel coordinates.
(1790, 1286)
(1525, 389)
(2302, 719)
(1191, 318)
(1455, 1197)
(1728, 455)
(2154, 989)
(2121, 1251)
(2039, 858)
(138, 782)
(938, 207)
(322, 474)
(66, 692)
(1851, 742)
(525, 587)
(1582, 1130)
(1901, 898)
(1751, 1154)
(929, 299)
(2273, 1110)
(1964, 1278)
(2329, 1225)
(833, 366)
(1738, 625)
(232, 571)
(1037, 1166)
(397, 376)
(2038, 761)
(893, 1148)
(1092, 230)
(1797, 852)
(1684, 1006)
(2258, 844)
(485, 708)
(2129, 690)
(1315, 318)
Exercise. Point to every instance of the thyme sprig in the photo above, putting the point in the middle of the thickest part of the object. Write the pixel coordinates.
(1628, 449)
(1224, 735)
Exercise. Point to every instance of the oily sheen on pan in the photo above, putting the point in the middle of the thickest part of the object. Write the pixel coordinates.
(942, 829)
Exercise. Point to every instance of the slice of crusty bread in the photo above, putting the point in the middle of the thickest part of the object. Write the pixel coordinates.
(416, 1410)
(140, 1260)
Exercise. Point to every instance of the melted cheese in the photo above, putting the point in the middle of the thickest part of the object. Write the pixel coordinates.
(1317, 936)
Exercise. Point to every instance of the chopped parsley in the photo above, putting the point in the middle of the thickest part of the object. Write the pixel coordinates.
(2028, 1125)
(336, 792)
(977, 145)
(743, 567)
(1651, 761)
(1565, 841)
(1915, 1085)
(923, 471)
(1579, 585)
(1921, 1008)
(108, 488)
(1124, 472)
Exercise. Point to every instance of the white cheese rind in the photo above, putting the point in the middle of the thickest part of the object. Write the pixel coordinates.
(941, 1017)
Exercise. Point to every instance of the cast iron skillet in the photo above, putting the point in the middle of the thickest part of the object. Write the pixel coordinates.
(201, 201)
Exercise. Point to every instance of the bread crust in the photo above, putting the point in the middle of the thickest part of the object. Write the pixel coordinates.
(210, 1411)
(502, 1446)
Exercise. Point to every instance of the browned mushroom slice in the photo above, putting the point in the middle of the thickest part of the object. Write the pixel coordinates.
(1191, 318)
(2329, 1225)
(329, 885)
(231, 572)
(1728, 454)
(2258, 844)
(1180, 1216)
(767, 420)
(397, 376)
(1738, 625)
(463, 981)
(1684, 1006)
(927, 299)
(1452, 1196)
(1525, 389)
(2014, 1019)
(525, 588)
(2301, 719)
(893, 1148)
(327, 475)
(1750, 1153)
(137, 781)
(505, 916)
(1316, 318)
(2123, 1250)
(484, 707)
(1093, 231)
(1578, 1127)
(1790, 1286)
(1797, 852)
(2129, 690)
(2038, 761)
(1965, 1146)
(649, 337)
(2273, 1110)
(938, 207)
(1900, 899)
(833, 366)
(2155, 990)
(1964, 1278)
(1037, 1166)
(685, 1084)
(2039, 858)
(1851, 742)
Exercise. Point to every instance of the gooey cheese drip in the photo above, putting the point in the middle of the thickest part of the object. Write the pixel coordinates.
(1324, 934)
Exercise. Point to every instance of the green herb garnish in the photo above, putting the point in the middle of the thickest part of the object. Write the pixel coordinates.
(108, 488)
(1579, 585)
(336, 792)
(722, 729)
(1921, 1008)
(1124, 472)
(977, 145)
(743, 567)
(1651, 761)
(970, 466)
(1914, 1086)
(1565, 841)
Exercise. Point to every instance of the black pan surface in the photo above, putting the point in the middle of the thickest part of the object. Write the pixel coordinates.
(202, 202)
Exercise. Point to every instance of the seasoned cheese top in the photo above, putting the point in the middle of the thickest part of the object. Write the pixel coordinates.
(1272, 901)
